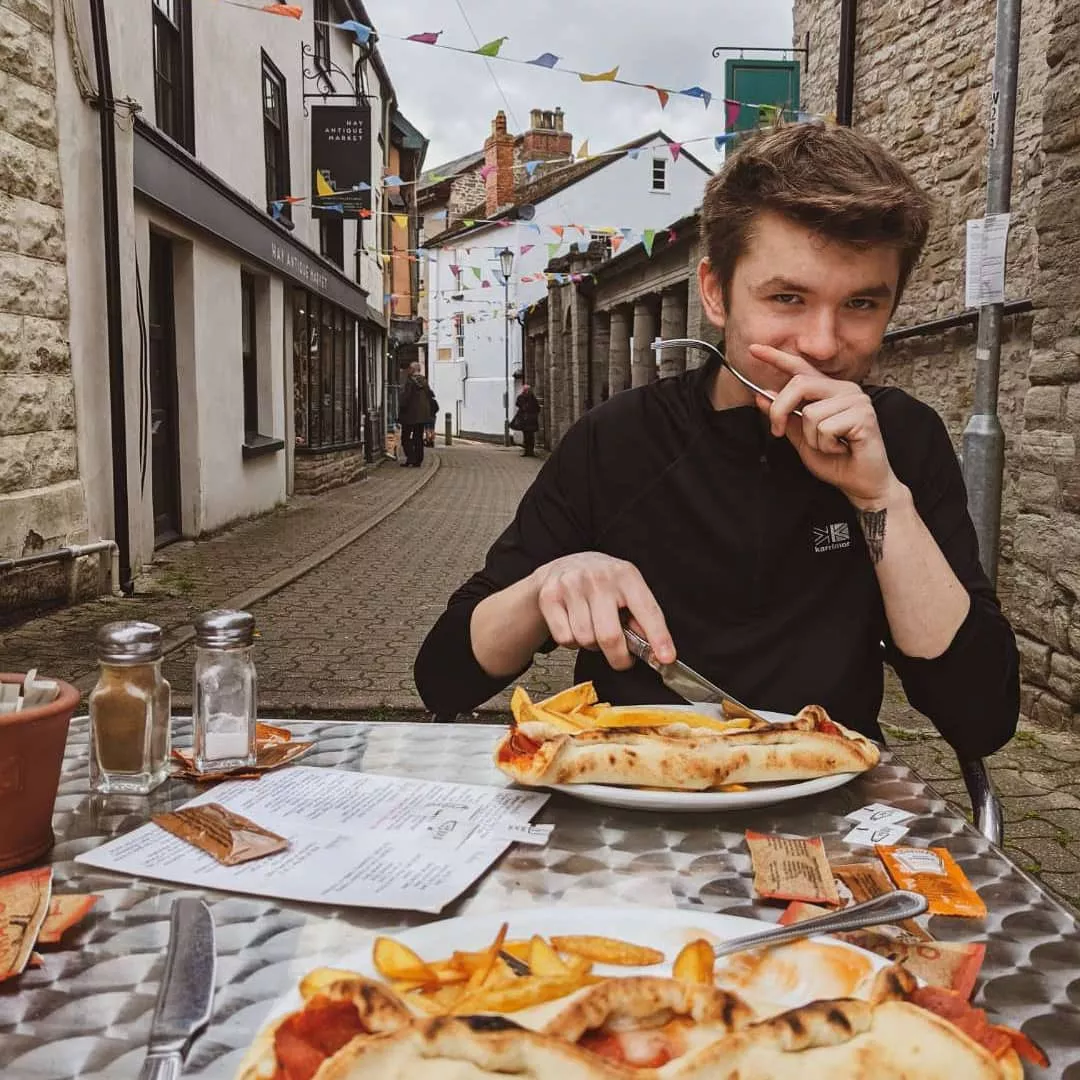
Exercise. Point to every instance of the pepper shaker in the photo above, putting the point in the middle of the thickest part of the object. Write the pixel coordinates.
(129, 711)
(224, 699)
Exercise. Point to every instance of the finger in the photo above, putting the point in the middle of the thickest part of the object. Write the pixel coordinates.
(637, 597)
(839, 432)
(580, 619)
(782, 361)
(607, 629)
(815, 413)
(555, 615)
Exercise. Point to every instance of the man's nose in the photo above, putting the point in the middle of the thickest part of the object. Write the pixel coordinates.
(818, 341)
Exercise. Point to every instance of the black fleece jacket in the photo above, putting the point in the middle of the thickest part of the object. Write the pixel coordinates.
(761, 570)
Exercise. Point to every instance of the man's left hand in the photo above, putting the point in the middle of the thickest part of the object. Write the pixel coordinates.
(832, 409)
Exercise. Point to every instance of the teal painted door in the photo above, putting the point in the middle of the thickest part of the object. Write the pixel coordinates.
(761, 82)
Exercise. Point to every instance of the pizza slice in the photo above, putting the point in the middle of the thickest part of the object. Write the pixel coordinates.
(647, 1021)
(664, 751)
(339, 1007)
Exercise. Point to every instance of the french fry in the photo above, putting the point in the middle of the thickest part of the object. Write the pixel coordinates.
(522, 994)
(650, 716)
(439, 1002)
(396, 961)
(479, 977)
(565, 701)
(556, 720)
(605, 950)
(321, 979)
(544, 960)
(695, 963)
(520, 704)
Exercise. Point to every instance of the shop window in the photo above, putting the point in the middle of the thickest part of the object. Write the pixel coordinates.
(173, 100)
(322, 35)
(254, 337)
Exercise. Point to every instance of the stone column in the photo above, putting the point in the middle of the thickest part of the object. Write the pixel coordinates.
(619, 350)
(643, 360)
(673, 325)
(598, 356)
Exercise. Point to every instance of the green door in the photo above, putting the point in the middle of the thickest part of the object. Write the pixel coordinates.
(761, 82)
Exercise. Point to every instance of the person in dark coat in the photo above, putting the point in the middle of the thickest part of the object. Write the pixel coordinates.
(416, 407)
(527, 418)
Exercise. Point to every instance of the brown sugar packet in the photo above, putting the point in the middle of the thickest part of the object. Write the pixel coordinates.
(271, 753)
(865, 881)
(64, 913)
(24, 903)
(791, 868)
(230, 838)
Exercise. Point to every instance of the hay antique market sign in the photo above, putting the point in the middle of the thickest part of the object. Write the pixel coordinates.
(340, 160)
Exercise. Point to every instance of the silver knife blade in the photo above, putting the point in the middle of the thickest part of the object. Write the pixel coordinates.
(185, 999)
(686, 682)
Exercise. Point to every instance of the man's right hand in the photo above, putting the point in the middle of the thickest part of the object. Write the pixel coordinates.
(581, 598)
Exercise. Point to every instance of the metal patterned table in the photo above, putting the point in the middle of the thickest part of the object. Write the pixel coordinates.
(86, 1013)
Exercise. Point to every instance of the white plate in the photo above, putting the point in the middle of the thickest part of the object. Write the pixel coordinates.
(705, 801)
(659, 928)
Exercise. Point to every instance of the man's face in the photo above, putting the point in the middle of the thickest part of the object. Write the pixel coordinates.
(806, 295)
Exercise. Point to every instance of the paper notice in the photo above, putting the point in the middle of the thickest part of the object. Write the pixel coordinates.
(868, 835)
(355, 839)
(879, 814)
(791, 868)
(984, 280)
(24, 904)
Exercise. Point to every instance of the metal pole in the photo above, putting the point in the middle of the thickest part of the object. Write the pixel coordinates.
(506, 338)
(984, 441)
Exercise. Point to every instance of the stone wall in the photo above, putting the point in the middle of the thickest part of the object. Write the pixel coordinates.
(923, 79)
(320, 472)
(42, 504)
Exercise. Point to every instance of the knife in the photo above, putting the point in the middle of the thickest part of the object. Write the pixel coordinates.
(687, 683)
(186, 996)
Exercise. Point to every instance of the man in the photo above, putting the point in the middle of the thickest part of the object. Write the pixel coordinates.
(527, 419)
(781, 562)
(415, 409)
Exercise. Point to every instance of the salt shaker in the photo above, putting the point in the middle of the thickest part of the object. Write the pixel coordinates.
(129, 711)
(223, 702)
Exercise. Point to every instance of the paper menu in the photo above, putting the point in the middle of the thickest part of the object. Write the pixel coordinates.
(356, 839)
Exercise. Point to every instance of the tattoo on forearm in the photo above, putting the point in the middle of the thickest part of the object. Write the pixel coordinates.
(873, 527)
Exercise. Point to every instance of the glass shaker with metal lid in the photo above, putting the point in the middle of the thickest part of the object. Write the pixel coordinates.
(224, 700)
(129, 711)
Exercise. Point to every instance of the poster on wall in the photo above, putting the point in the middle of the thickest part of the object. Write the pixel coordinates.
(340, 159)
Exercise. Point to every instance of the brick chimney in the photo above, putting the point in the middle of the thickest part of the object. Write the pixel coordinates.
(545, 138)
(499, 153)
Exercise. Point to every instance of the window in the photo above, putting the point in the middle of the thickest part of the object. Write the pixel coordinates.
(322, 35)
(459, 336)
(275, 136)
(173, 103)
(332, 239)
(249, 352)
(604, 240)
(659, 174)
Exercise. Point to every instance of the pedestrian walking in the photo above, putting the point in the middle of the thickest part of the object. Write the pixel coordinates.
(527, 419)
(416, 407)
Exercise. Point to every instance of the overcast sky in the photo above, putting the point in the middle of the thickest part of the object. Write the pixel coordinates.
(452, 98)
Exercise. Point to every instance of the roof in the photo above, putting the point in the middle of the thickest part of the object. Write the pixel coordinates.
(549, 184)
(450, 169)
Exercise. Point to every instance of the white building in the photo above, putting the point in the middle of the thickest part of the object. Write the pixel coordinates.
(251, 342)
(537, 212)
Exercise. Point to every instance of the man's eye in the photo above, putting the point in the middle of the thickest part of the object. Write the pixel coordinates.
(787, 298)
(863, 303)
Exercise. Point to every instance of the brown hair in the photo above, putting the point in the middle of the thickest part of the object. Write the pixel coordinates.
(829, 178)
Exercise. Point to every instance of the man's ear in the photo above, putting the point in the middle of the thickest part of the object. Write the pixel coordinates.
(712, 295)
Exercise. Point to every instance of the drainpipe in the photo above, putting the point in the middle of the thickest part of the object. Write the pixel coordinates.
(845, 82)
(110, 217)
(984, 441)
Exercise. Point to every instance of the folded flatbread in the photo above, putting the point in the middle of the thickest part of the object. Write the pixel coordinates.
(339, 1007)
(684, 758)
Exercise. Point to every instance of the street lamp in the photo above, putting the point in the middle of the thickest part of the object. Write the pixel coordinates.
(506, 264)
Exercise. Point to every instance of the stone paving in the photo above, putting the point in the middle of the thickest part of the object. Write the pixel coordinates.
(340, 640)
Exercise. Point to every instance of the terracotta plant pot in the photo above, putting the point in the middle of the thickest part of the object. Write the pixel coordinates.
(31, 753)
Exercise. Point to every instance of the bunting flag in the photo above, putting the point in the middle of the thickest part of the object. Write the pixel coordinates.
(275, 209)
(583, 151)
(647, 237)
(393, 180)
(384, 258)
(491, 48)
(468, 222)
(322, 188)
(581, 229)
(485, 284)
(290, 11)
(558, 230)
(698, 92)
(676, 150)
(486, 171)
(532, 166)
(361, 32)
(626, 231)
(545, 60)
(603, 76)
(532, 225)
(720, 141)
(440, 215)
(477, 271)
(526, 248)
(401, 220)
(455, 269)
(428, 38)
(672, 236)
(553, 250)
(663, 95)
(732, 112)
(360, 187)
(616, 243)
(633, 154)
(337, 208)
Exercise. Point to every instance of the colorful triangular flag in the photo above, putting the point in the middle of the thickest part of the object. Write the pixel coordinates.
(616, 243)
(634, 153)
(663, 95)
(290, 11)
(427, 38)
(361, 31)
(553, 250)
(647, 237)
(732, 111)
(698, 92)
(526, 248)
(477, 271)
(532, 166)
(401, 220)
(322, 187)
(468, 222)
(676, 149)
(393, 180)
(491, 48)
(547, 60)
(603, 76)
(583, 151)
(486, 171)
(720, 141)
(558, 230)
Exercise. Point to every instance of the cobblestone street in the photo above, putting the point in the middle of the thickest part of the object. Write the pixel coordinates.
(344, 585)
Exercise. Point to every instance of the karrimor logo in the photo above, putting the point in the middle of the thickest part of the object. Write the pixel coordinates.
(832, 537)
